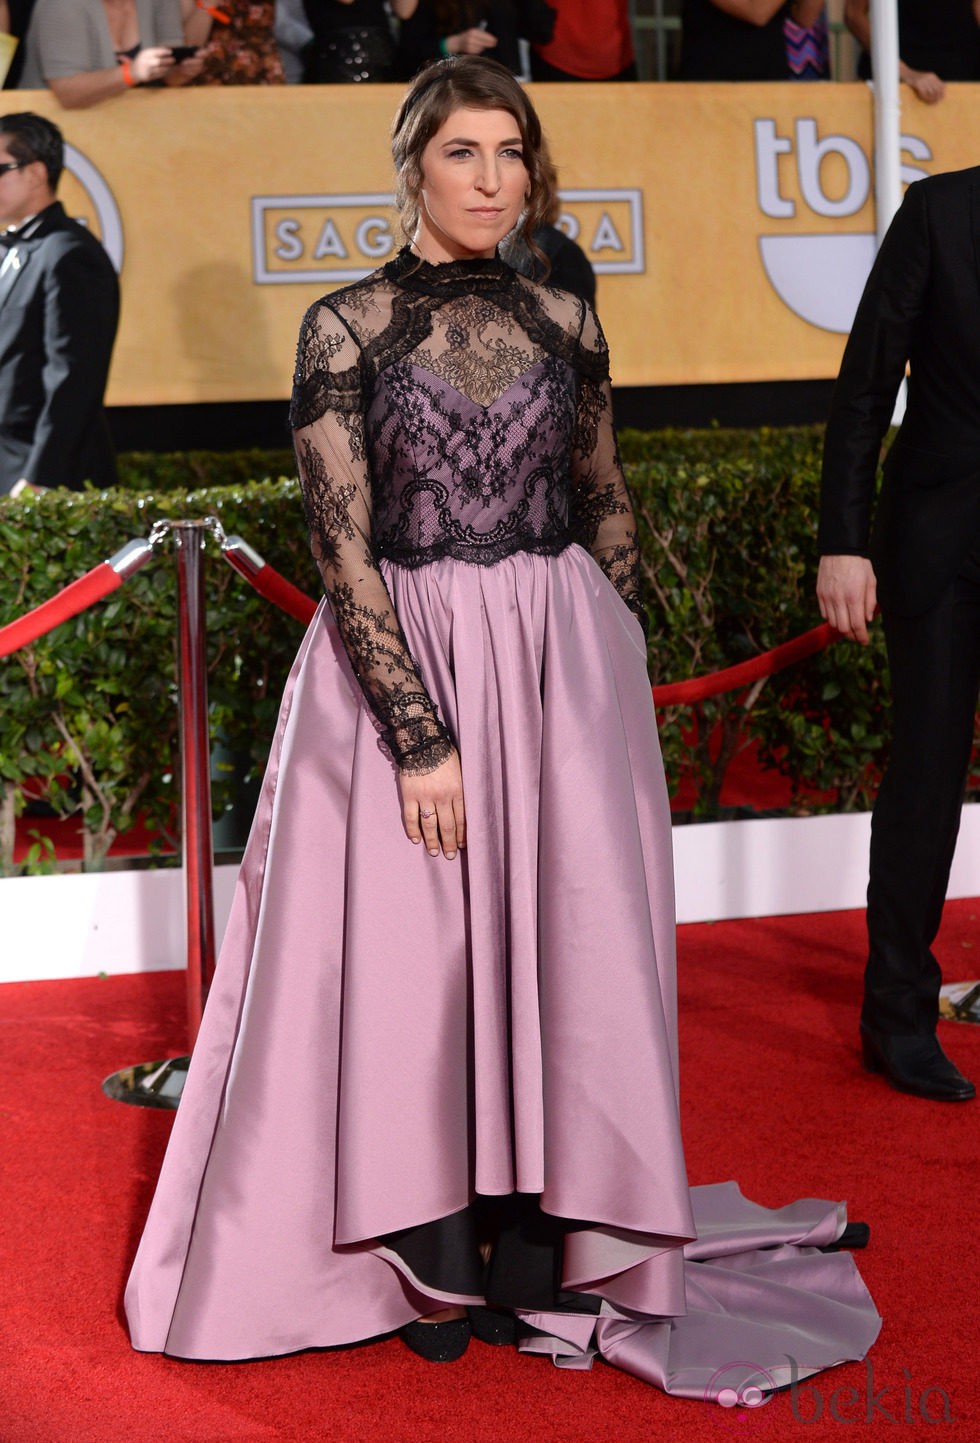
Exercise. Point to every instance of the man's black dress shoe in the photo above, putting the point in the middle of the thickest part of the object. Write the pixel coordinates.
(915, 1063)
(437, 1342)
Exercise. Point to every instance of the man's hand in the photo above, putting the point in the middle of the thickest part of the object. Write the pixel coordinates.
(848, 594)
(926, 84)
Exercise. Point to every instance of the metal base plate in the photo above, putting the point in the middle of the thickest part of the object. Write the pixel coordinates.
(149, 1084)
(960, 1001)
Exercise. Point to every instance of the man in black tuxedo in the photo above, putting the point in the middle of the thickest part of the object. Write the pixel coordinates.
(59, 307)
(921, 561)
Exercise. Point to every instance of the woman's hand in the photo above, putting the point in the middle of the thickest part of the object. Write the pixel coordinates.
(432, 808)
(470, 42)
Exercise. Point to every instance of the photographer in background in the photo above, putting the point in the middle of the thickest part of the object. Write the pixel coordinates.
(352, 41)
(85, 51)
(473, 27)
(243, 47)
(591, 40)
(938, 40)
(15, 16)
(741, 39)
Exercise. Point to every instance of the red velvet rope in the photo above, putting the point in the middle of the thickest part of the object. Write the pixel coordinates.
(268, 583)
(733, 678)
(75, 597)
(282, 593)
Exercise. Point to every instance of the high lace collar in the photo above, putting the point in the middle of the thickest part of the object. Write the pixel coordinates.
(481, 275)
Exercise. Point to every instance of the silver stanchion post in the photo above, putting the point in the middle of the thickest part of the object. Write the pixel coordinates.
(159, 1084)
(195, 760)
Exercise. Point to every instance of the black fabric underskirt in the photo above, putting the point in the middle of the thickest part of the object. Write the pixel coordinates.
(524, 1267)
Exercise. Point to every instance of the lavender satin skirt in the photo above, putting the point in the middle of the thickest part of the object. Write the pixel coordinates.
(389, 1033)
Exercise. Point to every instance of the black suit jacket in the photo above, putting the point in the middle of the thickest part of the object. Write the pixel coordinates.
(59, 307)
(921, 305)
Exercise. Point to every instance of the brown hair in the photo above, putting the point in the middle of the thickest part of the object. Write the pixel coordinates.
(469, 82)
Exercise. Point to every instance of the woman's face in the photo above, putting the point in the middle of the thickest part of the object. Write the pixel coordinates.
(474, 185)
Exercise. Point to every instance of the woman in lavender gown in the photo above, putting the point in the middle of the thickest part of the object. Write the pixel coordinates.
(435, 1087)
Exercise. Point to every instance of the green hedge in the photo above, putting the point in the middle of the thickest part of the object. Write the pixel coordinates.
(89, 711)
(726, 524)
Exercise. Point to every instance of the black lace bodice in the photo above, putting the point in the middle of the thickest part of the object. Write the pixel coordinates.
(454, 410)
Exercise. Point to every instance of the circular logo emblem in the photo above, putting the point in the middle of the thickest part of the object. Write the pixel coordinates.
(739, 1388)
(91, 201)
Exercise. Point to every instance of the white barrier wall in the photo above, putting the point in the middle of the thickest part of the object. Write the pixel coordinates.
(114, 922)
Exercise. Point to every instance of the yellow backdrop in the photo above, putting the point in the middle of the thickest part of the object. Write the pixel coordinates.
(731, 224)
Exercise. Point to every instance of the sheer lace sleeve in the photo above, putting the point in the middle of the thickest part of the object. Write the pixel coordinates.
(327, 416)
(601, 511)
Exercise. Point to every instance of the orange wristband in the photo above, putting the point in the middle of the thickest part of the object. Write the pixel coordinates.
(127, 71)
(221, 16)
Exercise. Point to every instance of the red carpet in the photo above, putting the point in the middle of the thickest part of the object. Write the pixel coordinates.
(773, 1095)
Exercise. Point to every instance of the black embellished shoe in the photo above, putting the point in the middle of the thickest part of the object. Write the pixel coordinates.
(855, 1235)
(493, 1327)
(437, 1342)
(916, 1064)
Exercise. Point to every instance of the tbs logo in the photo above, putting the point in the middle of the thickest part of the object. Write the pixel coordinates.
(820, 277)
